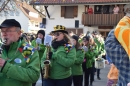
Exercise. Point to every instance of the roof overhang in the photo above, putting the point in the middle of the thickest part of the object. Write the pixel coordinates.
(28, 11)
(78, 2)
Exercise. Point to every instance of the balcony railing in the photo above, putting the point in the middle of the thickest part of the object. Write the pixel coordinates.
(101, 19)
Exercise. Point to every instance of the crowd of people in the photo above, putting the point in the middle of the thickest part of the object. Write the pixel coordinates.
(69, 59)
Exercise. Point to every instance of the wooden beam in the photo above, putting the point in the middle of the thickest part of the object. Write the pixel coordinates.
(47, 11)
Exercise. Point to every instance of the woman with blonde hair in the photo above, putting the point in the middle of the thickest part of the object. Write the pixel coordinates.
(90, 55)
(62, 57)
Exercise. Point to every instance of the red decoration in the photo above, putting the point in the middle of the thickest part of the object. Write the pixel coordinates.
(20, 49)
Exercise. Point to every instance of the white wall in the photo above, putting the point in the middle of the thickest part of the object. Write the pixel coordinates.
(56, 19)
(91, 29)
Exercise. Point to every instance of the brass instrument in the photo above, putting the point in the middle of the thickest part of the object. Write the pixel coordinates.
(1, 46)
(47, 63)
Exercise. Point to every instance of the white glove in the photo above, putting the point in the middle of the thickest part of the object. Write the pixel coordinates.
(128, 84)
(85, 48)
(38, 41)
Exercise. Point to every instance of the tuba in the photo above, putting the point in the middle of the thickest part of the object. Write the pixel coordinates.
(47, 63)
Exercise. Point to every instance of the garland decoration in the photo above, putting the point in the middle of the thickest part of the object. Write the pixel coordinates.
(27, 51)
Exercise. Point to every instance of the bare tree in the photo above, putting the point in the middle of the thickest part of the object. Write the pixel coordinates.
(4, 5)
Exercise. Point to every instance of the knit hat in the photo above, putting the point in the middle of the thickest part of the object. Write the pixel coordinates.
(10, 23)
(60, 28)
(86, 38)
(42, 32)
(75, 37)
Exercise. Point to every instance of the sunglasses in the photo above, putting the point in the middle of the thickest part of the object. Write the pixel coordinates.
(57, 33)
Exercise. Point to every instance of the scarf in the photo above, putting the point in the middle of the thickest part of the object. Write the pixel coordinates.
(56, 44)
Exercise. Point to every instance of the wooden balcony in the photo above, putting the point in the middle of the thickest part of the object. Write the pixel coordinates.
(101, 19)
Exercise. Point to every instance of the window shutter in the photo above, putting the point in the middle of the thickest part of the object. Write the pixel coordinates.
(62, 11)
(75, 11)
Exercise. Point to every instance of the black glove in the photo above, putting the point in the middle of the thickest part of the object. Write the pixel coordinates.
(50, 55)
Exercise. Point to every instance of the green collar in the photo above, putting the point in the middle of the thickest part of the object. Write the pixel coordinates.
(13, 46)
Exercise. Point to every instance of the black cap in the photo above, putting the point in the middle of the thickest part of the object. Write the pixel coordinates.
(75, 37)
(10, 23)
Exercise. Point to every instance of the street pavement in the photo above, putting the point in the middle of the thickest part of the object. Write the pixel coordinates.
(102, 82)
(103, 76)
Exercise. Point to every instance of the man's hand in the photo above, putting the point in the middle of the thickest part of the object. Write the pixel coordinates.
(2, 61)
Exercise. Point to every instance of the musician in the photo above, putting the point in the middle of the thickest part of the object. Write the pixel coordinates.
(62, 58)
(90, 55)
(38, 43)
(100, 44)
(77, 71)
(19, 62)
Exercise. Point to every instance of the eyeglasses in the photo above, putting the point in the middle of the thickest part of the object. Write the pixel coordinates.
(8, 31)
(57, 33)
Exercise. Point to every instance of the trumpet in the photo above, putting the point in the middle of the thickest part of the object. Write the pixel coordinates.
(2, 45)
(47, 63)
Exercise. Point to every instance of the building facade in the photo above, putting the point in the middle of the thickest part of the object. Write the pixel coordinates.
(81, 16)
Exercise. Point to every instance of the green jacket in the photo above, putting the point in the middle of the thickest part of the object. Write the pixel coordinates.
(100, 46)
(41, 46)
(18, 71)
(80, 40)
(90, 56)
(61, 62)
(103, 48)
(77, 67)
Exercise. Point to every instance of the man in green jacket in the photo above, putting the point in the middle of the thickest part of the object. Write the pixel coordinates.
(19, 62)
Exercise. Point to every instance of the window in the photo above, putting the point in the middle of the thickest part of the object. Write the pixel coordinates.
(69, 11)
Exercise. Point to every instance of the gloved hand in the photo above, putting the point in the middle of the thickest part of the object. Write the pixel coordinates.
(38, 41)
(50, 55)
